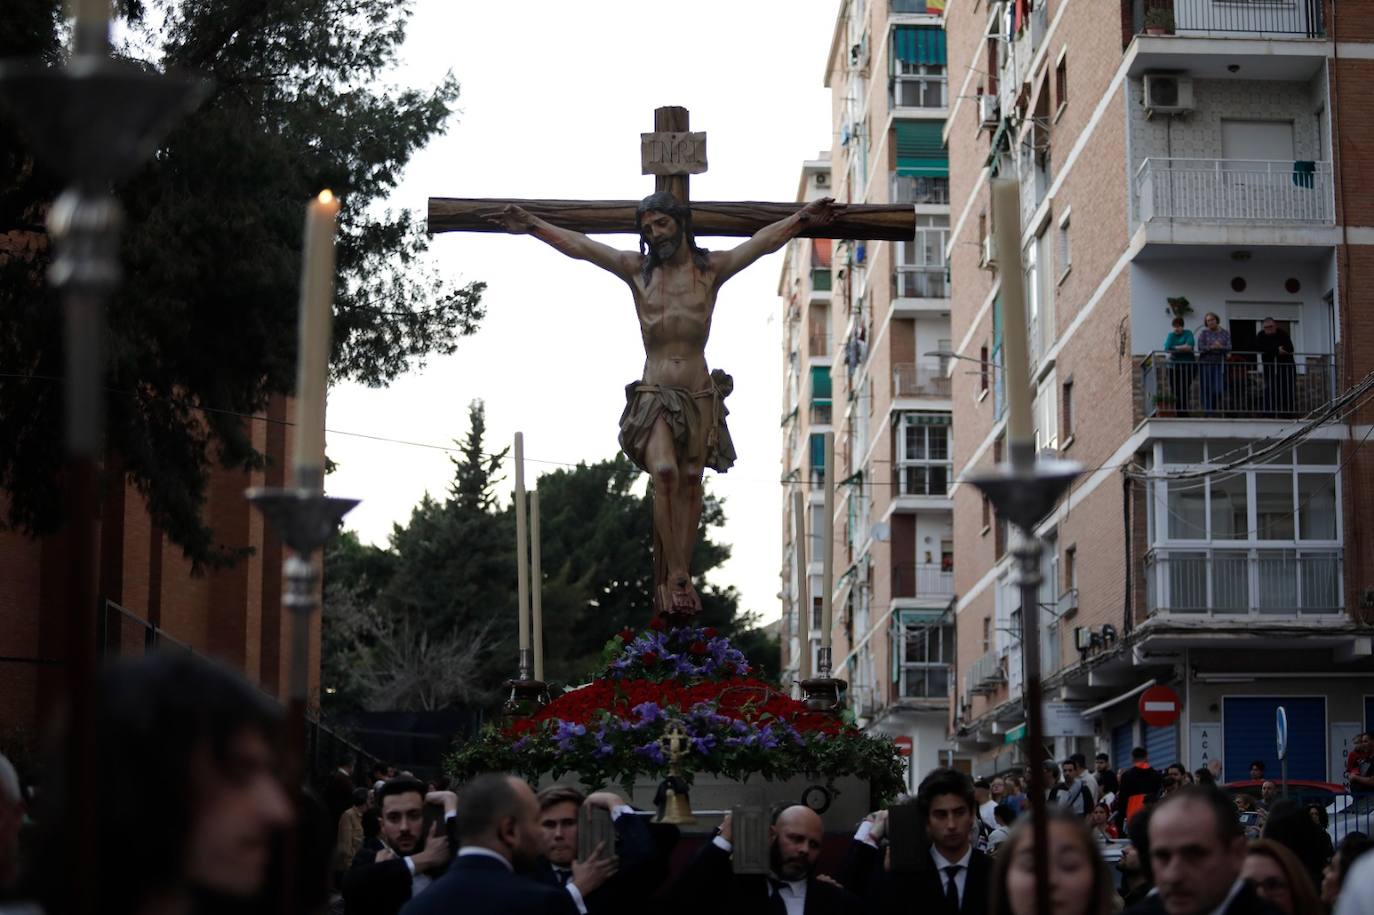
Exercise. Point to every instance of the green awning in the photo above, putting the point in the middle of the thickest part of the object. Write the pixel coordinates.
(918, 617)
(914, 44)
(820, 382)
(920, 149)
(817, 449)
(1015, 734)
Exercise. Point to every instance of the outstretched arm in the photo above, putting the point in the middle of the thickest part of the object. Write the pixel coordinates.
(520, 221)
(772, 237)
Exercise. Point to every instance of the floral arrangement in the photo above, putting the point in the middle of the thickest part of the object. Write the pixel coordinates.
(611, 729)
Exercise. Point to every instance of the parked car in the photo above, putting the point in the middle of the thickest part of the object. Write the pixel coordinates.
(1344, 813)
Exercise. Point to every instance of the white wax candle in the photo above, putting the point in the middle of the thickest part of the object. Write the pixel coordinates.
(91, 12)
(522, 572)
(1006, 227)
(313, 336)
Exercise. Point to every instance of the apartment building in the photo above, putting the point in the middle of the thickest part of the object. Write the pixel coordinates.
(1189, 158)
(866, 326)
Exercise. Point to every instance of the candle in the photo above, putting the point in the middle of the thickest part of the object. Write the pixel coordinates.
(90, 26)
(536, 588)
(803, 584)
(522, 572)
(1006, 228)
(313, 336)
(828, 546)
(91, 12)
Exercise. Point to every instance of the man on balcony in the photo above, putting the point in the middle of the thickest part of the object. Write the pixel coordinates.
(1276, 353)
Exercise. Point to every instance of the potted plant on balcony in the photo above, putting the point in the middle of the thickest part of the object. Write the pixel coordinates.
(1179, 306)
(1164, 403)
(1159, 20)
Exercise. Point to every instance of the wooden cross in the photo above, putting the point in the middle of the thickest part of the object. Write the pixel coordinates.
(671, 154)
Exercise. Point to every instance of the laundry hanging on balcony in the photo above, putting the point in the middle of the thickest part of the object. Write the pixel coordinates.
(921, 149)
(1305, 173)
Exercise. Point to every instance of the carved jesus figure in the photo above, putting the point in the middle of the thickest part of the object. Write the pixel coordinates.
(673, 425)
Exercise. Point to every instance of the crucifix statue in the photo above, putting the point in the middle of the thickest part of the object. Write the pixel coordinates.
(673, 424)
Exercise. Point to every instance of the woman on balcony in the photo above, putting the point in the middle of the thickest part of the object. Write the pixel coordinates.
(1214, 342)
(1180, 346)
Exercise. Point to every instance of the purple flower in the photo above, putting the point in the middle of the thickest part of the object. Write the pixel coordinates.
(647, 712)
(603, 750)
(520, 744)
(704, 745)
(653, 752)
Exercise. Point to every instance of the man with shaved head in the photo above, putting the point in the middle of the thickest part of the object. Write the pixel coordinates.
(791, 887)
(499, 835)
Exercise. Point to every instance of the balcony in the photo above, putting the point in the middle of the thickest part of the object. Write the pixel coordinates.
(818, 345)
(925, 681)
(921, 282)
(911, 380)
(985, 674)
(913, 7)
(821, 282)
(920, 191)
(922, 581)
(1244, 582)
(928, 479)
(1290, 18)
(821, 413)
(918, 95)
(1235, 191)
(1240, 388)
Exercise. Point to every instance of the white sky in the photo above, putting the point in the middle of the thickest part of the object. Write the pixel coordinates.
(554, 97)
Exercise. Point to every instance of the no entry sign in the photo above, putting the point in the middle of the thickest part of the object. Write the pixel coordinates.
(1160, 706)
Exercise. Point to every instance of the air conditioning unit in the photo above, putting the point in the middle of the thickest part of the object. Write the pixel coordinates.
(822, 179)
(1167, 93)
(989, 107)
(988, 259)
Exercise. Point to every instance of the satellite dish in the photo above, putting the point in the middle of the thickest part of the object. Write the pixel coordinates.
(882, 531)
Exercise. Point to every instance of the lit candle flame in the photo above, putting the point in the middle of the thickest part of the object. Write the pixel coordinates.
(326, 196)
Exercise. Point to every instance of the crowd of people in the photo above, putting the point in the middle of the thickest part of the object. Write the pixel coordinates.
(1204, 358)
(195, 818)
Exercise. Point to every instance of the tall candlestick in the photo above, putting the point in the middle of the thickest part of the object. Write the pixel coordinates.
(90, 26)
(522, 571)
(536, 587)
(313, 338)
(803, 583)
(1006, 230)
(828, 546)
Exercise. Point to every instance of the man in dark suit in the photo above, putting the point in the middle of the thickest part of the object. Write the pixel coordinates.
(948, 874)
(380, 882)
(709, 884)
(1197, 849)
(641, 849)
(498, 830)
(1140, 785)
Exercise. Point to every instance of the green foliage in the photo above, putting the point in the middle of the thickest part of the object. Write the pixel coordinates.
(451, 567)
(204, 328)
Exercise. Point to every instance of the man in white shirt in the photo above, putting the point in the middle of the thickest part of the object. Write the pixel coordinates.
(709, 884)
(982, 796)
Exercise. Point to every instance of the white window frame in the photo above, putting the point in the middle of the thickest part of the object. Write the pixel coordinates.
(904, 461)
(931, 85)
(937, 631)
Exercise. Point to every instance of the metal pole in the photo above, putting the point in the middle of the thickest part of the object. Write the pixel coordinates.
(803, 584)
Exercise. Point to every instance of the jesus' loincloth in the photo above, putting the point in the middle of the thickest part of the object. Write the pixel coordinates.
(685, 412)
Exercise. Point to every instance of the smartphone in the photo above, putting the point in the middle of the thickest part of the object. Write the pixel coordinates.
(594, 827)
(905, 838)
(1249, 818)
(434, 813)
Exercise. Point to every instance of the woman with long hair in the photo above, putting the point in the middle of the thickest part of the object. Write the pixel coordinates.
(1280, 879)
(1080, 883)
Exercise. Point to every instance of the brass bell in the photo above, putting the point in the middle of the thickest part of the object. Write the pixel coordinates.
(677, 810)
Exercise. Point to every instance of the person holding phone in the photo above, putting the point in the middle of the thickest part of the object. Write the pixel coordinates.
(416, 849)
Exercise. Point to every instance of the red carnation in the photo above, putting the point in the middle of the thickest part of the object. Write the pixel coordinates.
(710, 632)
(648, 658)
(657, 623)
(697, 648)
(627, 634)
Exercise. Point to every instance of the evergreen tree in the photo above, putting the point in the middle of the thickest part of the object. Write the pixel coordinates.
(203, 330)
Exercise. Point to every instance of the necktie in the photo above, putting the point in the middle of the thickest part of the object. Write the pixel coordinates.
(563, 875)
(952, 888)
(776, 905)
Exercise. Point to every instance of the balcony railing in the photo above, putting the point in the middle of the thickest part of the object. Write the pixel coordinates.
(913, 579)
(911, 380)
(1241, 386)
(985, 674)
(1235, 190)
(1299, 18)
(919, 92)
(818, 345)
(913, 6)
(923, 191)
(821, 413)
(920, 282)
(1243, 581)
(925, 681)
(923, 479)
